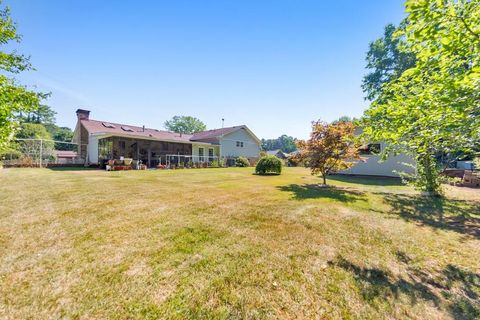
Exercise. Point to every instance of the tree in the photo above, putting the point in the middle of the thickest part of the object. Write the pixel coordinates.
(433, 107)
(41, 145)
(329, 149)
(345, 119)
(185, 124)
(387, 58)
(43, 114)
(61, 134)
(33, 131)
(284, 143)
(14, 98)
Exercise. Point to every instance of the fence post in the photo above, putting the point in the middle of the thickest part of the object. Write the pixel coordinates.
(41, 152)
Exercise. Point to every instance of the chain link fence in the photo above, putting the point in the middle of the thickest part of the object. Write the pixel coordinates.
(41, 153)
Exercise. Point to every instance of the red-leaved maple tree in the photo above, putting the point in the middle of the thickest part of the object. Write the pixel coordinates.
(329, 149)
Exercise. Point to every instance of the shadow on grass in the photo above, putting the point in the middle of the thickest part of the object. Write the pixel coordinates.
(370, 181)
(375, 283)
(456, 287)
(72, 168)
(314, 191)
(449, 214)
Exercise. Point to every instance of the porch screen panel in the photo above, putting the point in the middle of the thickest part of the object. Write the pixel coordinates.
(105, 149)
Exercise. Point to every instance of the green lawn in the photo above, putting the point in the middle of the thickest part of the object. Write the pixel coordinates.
(224, 243)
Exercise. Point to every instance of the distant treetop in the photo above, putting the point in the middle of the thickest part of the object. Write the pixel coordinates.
(185, 124)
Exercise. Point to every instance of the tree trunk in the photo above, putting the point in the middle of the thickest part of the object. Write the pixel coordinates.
(430, 174)
(324, 176)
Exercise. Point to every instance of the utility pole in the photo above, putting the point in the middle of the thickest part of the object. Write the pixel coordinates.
(223, 120)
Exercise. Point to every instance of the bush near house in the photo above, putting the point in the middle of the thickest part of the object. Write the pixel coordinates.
(269, 165)
(242, 162)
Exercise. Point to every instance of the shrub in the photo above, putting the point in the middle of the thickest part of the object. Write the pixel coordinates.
(242, 162)
(269, 165)
(214, 164)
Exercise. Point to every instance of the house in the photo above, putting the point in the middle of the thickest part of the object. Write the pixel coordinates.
(99, 141)
(372, 164)
(278, 153)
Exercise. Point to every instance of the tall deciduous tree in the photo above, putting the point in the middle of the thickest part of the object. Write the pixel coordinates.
(14, 98)
(329, 149)
(434, 107)
(387, 58)
(185, 124)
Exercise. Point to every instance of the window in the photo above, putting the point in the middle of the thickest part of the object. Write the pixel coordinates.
(121, 145)
(372, 148)
(125, 128)
(200, 153)
(210, 153)
(108, 125)
(240, 144)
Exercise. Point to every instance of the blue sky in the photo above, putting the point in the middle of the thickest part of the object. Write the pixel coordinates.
(273, 65)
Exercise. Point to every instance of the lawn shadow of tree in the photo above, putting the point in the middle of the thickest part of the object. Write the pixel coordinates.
(449, 214)
(375, 283)
(459, 288)
(367, 180)
(59, 168)
(314, 191)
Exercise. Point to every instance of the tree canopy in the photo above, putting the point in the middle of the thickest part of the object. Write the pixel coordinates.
(43, 114)
(284, 143)
(14, 98)
(345, 119)
(185, 124)
(387, 58)
(433, 107)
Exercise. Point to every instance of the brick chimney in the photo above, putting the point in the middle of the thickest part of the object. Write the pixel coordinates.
(83, 114)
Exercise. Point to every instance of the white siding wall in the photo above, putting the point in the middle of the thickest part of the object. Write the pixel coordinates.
(251, 148)
(92, 150)
(195, 148)
(373, 166)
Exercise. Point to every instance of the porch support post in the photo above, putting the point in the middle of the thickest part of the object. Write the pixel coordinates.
(149, 156)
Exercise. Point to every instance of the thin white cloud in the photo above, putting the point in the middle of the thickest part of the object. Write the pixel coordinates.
(43, 80)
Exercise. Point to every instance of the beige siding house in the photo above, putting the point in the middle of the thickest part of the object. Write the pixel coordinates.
(101, 140)
(372, 165)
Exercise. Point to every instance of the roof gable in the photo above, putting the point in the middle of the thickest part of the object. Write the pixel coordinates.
(216, 134)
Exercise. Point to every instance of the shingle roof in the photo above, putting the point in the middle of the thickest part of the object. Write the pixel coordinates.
(273, 152)
(97, 127)
(65, 154)
(209, 136)
(213, 135)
